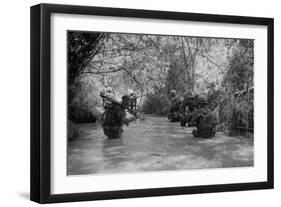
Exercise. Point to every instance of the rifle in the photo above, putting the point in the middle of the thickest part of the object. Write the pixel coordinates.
(133, 112)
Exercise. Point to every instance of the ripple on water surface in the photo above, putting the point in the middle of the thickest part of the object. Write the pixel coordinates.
(152, 145)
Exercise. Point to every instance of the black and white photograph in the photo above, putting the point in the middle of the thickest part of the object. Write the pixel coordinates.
(133, 103)
(140, 103)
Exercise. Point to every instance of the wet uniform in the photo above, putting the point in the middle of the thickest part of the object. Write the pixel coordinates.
(204, 122)
(188, 106)
(113, 116)
(176, 107)
(112, 121)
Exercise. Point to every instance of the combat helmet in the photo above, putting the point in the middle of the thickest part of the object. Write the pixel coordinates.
(130, 92)
(109, 91)
(173, 93)
(180, 99)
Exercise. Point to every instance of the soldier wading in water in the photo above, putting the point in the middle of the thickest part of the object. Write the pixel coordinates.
(187, 108)
(114, 115)
(176, 105)
(203, 119)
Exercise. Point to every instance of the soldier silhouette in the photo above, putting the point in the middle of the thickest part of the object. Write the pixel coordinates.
(176, 103)
(203, 119)
(113, 116)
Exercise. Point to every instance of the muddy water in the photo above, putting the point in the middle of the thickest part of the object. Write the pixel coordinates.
(153, 145)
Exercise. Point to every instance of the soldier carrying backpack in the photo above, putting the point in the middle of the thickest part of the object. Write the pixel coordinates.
(203, 120)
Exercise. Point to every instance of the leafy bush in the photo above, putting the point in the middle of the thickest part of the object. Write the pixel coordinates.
(235, 115)
(84, 114)
(156, 103)
(235, 110)
(86, 104)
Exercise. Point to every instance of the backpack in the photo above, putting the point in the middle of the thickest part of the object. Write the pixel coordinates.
(206, 124)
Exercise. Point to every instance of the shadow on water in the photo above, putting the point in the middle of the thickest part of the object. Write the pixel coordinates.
(152, 145)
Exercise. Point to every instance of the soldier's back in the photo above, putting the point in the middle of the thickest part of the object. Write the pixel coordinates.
(205, 123)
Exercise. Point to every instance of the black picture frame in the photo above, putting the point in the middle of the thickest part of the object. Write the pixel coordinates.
(41, 98)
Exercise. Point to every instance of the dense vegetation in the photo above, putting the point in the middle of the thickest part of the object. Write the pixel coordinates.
(153, 65)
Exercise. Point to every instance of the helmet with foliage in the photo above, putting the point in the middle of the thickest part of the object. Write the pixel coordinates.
(173, 93)
(130, 92)
(180, 99)
(108, 91)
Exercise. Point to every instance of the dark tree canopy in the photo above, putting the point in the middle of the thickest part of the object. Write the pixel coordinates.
(82, 47)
